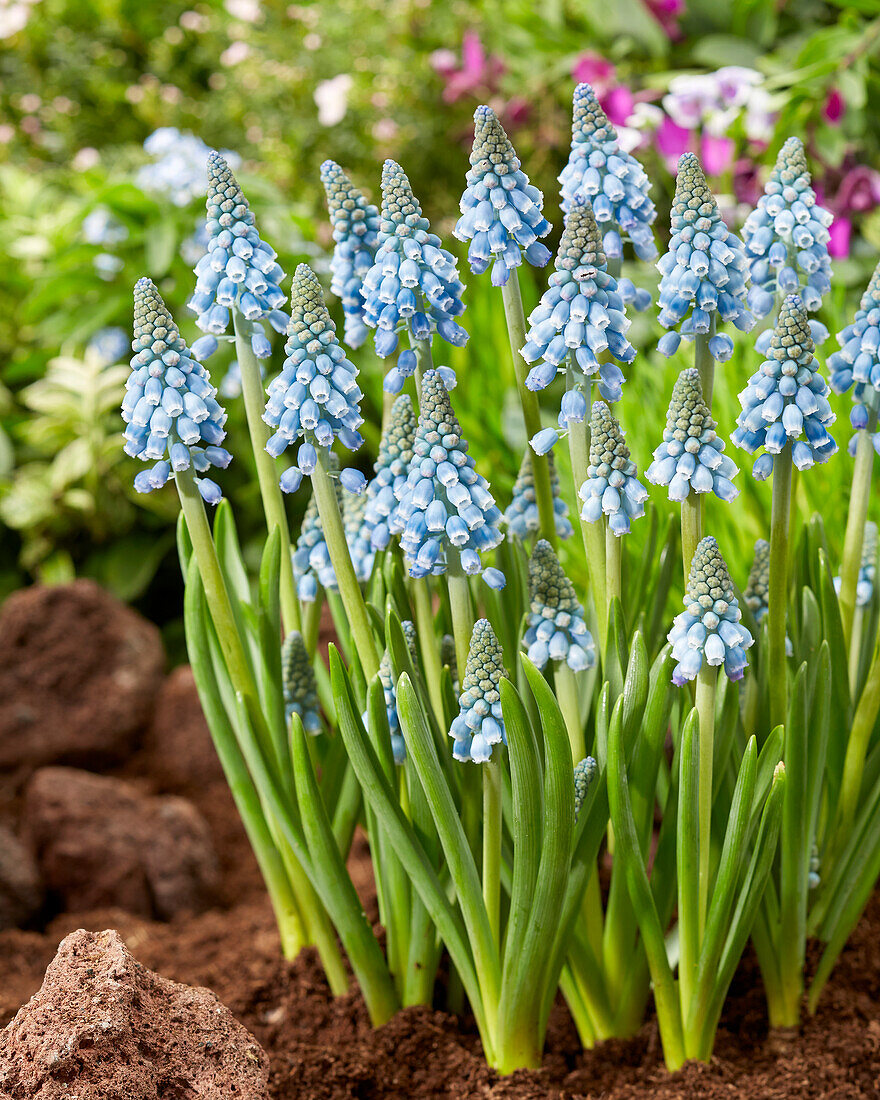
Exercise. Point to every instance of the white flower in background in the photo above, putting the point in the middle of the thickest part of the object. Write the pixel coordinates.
(248, 11)
(331, 99)
(234, 54)
(760, 117)
(14, 16)
(691, 97)
(99, 226)
(736, 84)
(714, 101)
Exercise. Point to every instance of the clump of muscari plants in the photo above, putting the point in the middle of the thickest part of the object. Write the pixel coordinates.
(493, 738)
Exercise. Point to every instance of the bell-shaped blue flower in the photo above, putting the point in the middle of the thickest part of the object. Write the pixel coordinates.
(757, 590)
(172, 418)
(479, 724)
(709, 628)
(691, 458)
(557, 630)
(611, 486)
(298, 683)
(312, 565)
(315, 399)
(521, 515)
(445, 505)
(786, 239)
(239, 270)
(858, 361)
(580, 322)
(357, 535)
(786, 402)
(704, 272)
(413, 284)
(500, 210)
(356, 237)
(391, 468)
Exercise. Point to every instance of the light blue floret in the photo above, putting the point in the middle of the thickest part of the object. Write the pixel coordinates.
(500, 210)
(585, 771)
(357, 535)
(395, 451)
(315, 399)
(413, 285)
(709, 628)
(298, 683)
(479, 724)
(690, 458)
(580, 317)
(445, 505)
(704, 272)
(858, 362)
(389, 691)
(557, 630)
(786, 239)
(521, 516)
(171, 414)
(786, 402)
(356, 236)
(238, 272)
(109, 344)
(611, 486)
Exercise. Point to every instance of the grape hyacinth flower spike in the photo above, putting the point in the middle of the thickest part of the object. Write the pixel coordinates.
(500, 210)
(413, 284)
(390, 471)
(611, 486)
(757, 590)
(521, 515)
(613, 182)
(709, 628)
(703, 272)
(315, 398)
(311, 557)
(580, 316)
(449, 515)
(238, 272)
(585, 771)
(357, 535)
(356, 236)
(557, 630)
(786, 238)
(298, 682)
(171, 414)
(479, 724)
(858, 363)
(785, 404)
(389, 691)
(690, 458)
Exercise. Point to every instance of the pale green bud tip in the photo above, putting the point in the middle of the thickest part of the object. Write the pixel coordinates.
(397, 439)
(589, 120)
(791, 337)
(869, 545)
(222, 185)
(607, 443)
(485, 663)
(791, 162)
(298, 677)
(757, 591)
(152, 321)
(399, 204)
(872, 293)
(688, 415)
(435, 412)
(548, 584)
(693, 199)
(308, 312)
(491, 143)
(341, 192)
(584, 773)
(581, 242)
(709, 580)
(409, 633)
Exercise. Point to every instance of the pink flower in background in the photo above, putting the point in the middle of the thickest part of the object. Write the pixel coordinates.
(839, 232)
(592, 69)
(835, 107)
(618, 105)
(717, 153)
(859, 191)
(672, 140)
(667, 13)
(477, 74)
(746, 182)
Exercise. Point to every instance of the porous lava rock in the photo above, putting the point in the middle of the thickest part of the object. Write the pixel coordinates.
(21, 889)
(79, 673)
(100, 842)
(103, 1027)
(181, 753)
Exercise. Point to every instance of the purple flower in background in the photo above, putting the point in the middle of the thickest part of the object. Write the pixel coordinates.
(717, 153)
(477, 73)
(667, 13)
(835, 107)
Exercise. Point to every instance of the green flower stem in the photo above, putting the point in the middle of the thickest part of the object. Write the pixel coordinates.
(691, 529)
(516, 328)
(704, 362)
(492, 829)
(349, 589)
(568, 697)
(855, 525)
(462, 614)
(614, 266)
(707, 683)
(430, 650)
(778, 596)
(594, 541)
(613, 554)
(267, 473)
(424, 361)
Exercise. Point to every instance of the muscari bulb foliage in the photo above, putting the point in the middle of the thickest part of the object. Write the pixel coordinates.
(298, 682)
(690, 457)
(580, 316)
(786, 238)
(171, 414)
(858, 362)
(557, 630)
(312, 565)
(238, 272)
(479, 724)
(445, 505)
(585, 771)
(356, 236)
(709, 628)
(381, 519)
(704, 271)
(413, 284)
(613, 182)
(786, 402)
(389, 691)
(315, 398)
(521, 515)
(757, 590)
(611, 486)
(500, 210)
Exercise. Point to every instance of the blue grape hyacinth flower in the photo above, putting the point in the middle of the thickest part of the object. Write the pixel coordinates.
(500, 210)
(757, 590)
(171, 414)
(298, 683)
(445, 505)
(312, 565)
(390, 473)
(867, 569)
(389, 691)
(357, 536)
(580, 316)
(709, 628)
(479, 724)
(413, 284)
(704, 271)
(356, 237)
(585, 771)
(786, 401)
(521, 515)
(239, 271)
(786, 238)
(611, 487)
(858, 362)
(557, 630)
(315, 399)
(691, 458)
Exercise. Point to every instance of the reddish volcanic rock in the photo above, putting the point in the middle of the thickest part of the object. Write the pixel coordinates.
(21, 890)
(103, 1027)
(181, 753)
(100, 842)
